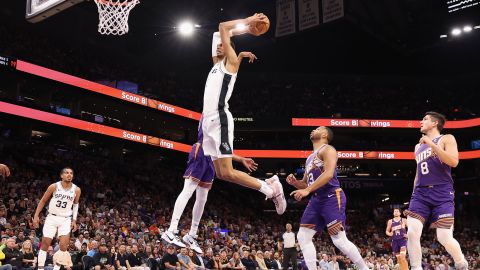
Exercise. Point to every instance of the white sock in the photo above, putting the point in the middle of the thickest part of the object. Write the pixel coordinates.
(445, 237)
(182, 200)
(414, 233)
(42, 257)
(198, 207)
(265, 188)
(348, 248)
(305, 236)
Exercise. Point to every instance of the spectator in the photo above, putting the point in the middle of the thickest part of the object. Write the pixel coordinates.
(102, 259)
(217, 262)
(249, 261)
(260, 260)
(121, 258)
(29, 260)
(12, 254)
(135, 260)
(170, 259)
(197, 262)
(235, 262)
(3, 266)
(269, 262)
(184, 260)
(208, 259)
(80, 241)
(324, 263)
(334, 264)
(93, 249)
(78, 264)
(278, 261)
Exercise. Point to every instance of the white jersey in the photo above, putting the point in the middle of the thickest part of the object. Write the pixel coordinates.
(218, 89)
(61, 202)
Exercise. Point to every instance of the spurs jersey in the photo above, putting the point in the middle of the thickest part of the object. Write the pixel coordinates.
(430, 169)
(314, 167)
(218, 90)
(398, 230)
(61, 202)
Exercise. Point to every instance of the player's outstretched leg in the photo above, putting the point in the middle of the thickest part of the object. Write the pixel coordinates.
(451, 245)
(402, 260)
(415, 228)
(341, 241)
(170, 236)
(200, 201)
(305, 236)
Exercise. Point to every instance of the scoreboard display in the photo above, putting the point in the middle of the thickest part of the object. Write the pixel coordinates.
(455, 6)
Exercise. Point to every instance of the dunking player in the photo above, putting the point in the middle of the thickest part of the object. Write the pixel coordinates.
(217, 123)
(326, 207)
(62, 215)
(396, 229)
(198, 177)
(433, 194)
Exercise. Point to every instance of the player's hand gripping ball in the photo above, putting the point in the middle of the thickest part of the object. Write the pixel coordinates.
(260, 25)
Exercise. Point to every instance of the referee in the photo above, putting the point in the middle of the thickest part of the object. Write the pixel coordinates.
(289, 248)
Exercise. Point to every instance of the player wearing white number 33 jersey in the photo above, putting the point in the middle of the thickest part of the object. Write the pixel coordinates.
(62, 215)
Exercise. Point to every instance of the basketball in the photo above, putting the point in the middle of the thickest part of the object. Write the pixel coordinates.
(260, 28)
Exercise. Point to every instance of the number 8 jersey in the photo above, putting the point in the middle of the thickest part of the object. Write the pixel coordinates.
(430, 169)
(61, 202)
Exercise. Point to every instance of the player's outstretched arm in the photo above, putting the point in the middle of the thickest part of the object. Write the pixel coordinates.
(251, 57)
(46, 197)
(225, 28)
(248, 163)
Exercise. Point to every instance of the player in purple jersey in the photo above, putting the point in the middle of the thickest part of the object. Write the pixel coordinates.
(326, 208)
(433, 195)
(396, 228)
(199, 177)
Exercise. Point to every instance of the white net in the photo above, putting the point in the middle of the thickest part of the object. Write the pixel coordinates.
(113, 16)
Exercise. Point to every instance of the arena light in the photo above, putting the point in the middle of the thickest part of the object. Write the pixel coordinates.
(476, 27)
(456, 31)
(443, 36)
(467, 29)
(186, 28)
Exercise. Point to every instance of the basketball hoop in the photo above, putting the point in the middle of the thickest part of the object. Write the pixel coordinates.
(113, 16)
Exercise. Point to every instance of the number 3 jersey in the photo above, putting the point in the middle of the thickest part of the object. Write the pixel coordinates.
(62, 200)
(314, 167)
(430, 169)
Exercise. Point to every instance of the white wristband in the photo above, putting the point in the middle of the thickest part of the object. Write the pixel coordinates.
(75, 211)
(215, 41)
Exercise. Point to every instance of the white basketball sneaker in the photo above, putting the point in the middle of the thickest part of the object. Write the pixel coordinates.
(192, 242)
(462, 266)
(278, 197)
(172, 238)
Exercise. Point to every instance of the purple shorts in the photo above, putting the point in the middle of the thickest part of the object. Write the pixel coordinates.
(325, 210)
(434, 204)
(397, 245)
(200, 167)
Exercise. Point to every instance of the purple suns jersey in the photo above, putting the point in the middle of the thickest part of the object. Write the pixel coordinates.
(314, 167)
(430, 169)
(398, 230)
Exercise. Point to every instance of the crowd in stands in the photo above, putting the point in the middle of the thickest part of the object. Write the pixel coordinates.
(126, 206)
